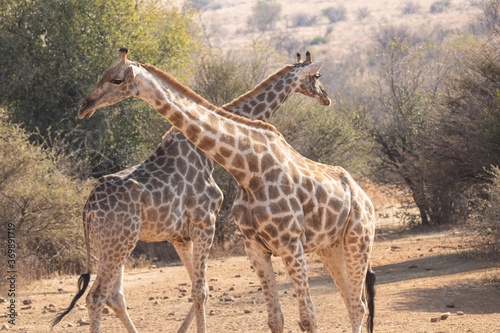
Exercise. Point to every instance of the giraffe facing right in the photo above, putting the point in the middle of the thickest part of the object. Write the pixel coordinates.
(171, 196)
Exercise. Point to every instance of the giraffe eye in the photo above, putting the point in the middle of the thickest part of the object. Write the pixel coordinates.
(116, 81)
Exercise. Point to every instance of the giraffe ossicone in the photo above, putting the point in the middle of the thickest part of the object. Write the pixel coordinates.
(171, 196)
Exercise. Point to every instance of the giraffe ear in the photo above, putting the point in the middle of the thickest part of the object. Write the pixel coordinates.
(313, 68)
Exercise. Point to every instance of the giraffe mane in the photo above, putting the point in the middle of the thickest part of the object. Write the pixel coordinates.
(258, 89)
(176, 85)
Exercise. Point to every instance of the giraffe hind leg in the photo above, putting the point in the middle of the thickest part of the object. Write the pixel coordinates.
(116, 301)
(348, 268)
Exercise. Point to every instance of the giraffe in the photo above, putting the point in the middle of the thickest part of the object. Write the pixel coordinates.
(172, 196)
(286, 206)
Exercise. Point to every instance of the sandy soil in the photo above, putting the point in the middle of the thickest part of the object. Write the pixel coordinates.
(419, 276)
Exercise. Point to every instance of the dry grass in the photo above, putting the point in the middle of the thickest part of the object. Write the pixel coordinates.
(228, 22)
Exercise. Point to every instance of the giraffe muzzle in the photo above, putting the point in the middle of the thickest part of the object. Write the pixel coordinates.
(85, 110)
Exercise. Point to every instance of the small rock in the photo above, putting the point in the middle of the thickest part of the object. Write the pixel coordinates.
(183, 284)
(229, 299)
(82, 307)
(431, 250)
(156, 303)
(152, 267)
(171, 314)
(231, 289)
(83, 322)
(27, 302)
(69, 325)
(445, 316)
(2, 300)
(151, 298)
(451, 305)
(44, 312)
(211, 288)
(460, 313)
(237, 276)
(4, 327)
(182, 290)
(105, 311)
(60, 290)
(211, 313)
(165, 297)
(412, 266)
(190, 300)
(214, 279)
(52, 309)
(26, 307)
(247, 311)
(435, 319)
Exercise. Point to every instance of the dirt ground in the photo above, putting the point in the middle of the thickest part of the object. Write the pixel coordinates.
(420, 275)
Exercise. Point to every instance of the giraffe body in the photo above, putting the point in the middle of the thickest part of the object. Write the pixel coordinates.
(286, 204)
(171, 196)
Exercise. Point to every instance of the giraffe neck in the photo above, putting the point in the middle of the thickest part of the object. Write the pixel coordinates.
(261, 102)
(221, 135)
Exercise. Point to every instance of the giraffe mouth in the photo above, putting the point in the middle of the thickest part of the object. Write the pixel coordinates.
(327, 101)
(86, 109)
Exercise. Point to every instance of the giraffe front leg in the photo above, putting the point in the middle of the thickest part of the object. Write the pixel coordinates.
(202, 242)
(261, 262)
(185, 252)
(295, 262)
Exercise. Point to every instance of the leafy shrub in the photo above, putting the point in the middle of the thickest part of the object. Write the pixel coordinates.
(439, 6)
(319, 40)
(265, 14)
(303, 20)
(362, 13)
(410, 7)
(42, 204)
(335, 14)
(56, 50)
(488, 217)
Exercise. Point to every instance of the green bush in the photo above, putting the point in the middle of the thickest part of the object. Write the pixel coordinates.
(335, 14)
(319, 40)
(410, 7)
(53, 52)
(439, 6)
(265, 14)
(303, 20)
(488, 217)
(41, 204)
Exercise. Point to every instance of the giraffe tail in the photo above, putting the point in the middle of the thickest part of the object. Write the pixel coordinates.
(83, 282)
(370, 297)
(84, 279)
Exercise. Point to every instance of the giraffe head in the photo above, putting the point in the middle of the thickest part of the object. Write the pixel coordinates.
(310, 84)
(116, 84)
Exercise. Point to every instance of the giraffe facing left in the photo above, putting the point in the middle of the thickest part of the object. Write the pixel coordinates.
(171, 196)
